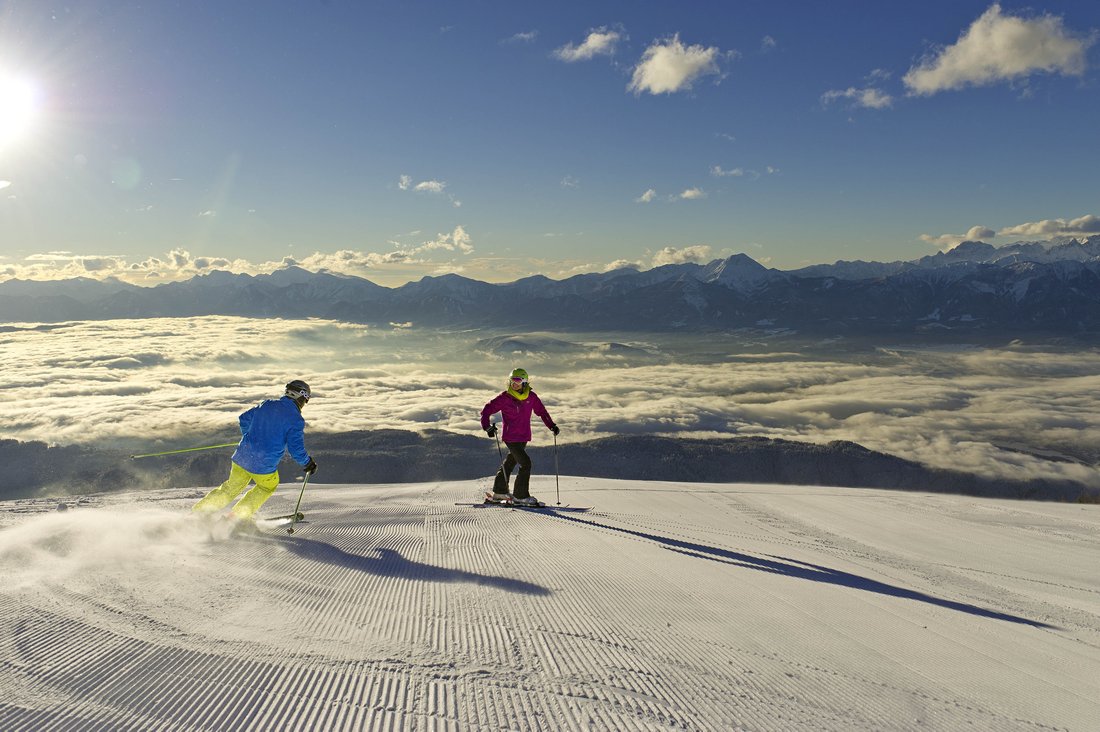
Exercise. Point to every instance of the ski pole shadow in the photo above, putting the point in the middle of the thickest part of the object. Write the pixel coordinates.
(389, 563)
(806, 571)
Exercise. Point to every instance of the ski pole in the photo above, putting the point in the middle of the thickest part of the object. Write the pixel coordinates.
(557, 487)
(305, 482)
(186, 449)
(500, 453)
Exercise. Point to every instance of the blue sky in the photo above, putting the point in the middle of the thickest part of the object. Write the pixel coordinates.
(388, 140)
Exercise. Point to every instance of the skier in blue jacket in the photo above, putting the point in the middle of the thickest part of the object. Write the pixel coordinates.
(268, 430)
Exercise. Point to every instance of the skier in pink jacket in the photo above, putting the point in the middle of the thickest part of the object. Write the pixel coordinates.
(515, 404)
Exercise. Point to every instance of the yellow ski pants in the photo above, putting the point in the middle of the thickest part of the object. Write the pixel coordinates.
(239, 478)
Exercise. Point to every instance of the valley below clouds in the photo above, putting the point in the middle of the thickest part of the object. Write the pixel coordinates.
(1011, 411)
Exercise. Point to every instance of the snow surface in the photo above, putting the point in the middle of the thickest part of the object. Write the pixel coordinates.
(668, 606)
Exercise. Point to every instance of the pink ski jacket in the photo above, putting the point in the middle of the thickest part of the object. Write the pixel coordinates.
(516, 414)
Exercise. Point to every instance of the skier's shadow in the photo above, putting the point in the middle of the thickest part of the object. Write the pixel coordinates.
(805, 570)
(389, 563)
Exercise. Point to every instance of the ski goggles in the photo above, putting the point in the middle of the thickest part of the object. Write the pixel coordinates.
(518, 382)
(295, 394)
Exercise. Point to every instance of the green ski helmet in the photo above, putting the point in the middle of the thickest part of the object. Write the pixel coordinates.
(517, 380)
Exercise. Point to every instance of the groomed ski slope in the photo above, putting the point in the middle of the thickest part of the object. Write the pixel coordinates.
(668, 606)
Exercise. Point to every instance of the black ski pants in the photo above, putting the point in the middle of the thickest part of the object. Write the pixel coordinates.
(517, 455)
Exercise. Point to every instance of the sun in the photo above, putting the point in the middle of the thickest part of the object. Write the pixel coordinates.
(18, 108)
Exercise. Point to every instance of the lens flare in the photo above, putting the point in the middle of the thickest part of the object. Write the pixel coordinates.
(18, 105)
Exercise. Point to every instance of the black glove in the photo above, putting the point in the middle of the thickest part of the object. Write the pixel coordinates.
(310, 468)
(556, 430)
(492, 431)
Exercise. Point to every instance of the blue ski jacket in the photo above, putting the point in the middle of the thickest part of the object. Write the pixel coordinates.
(267, 430)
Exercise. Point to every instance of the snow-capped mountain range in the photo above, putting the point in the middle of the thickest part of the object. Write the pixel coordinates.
(1050, 287)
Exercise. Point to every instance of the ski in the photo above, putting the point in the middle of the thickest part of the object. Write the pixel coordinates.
(222, 528)
(295, 516)
(548, 507)
(289, 521)
(540, 507)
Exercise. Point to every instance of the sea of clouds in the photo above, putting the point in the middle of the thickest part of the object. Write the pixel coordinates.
(1013, 412)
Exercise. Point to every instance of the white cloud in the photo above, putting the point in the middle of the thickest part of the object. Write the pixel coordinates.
(692, 194)
(867, 98)
(177, 264)
(98, 264)
(999, 47)
(347, 261)
(204, 263)
(646, 197)
(673, 255)
(1085, 225)
(767, 43)
(457, 240)
(51, 257)
(350, 261)
(570, 182)
(523, 37)
(405, 183)
(669, 66)
(430, 186)
(622, 264)
(719, 172)
(435, 187)
(180, 264)
(949, 241)
(599, 42)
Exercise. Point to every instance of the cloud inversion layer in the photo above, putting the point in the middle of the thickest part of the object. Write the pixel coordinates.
(1000, 412)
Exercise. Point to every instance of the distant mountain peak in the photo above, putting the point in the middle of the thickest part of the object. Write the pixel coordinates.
(293, 274)
(738, 272)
